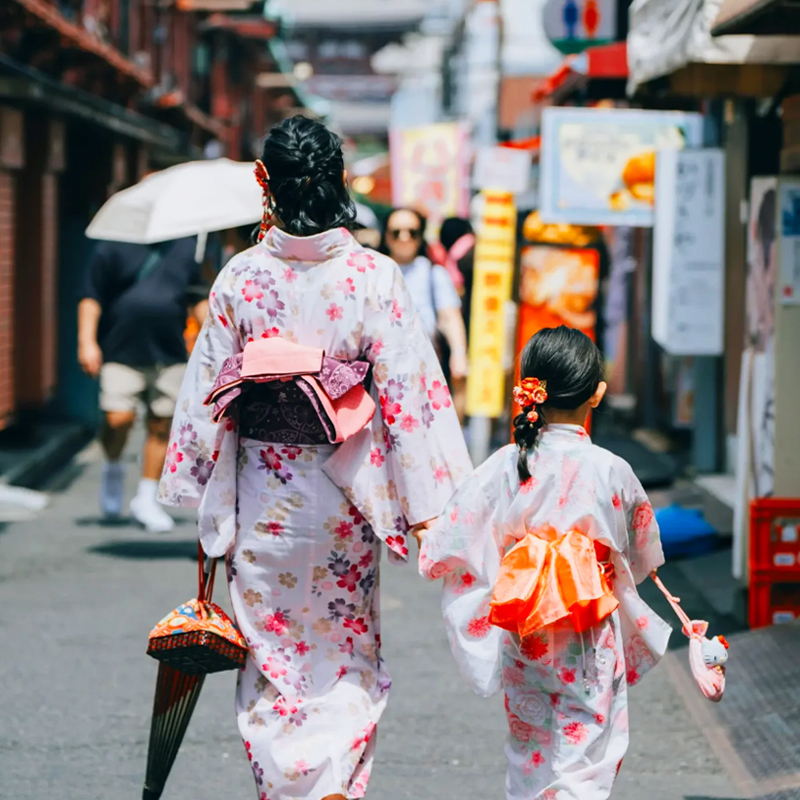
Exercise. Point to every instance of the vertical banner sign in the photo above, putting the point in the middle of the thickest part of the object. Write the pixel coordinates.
(689, 252)
(494, 272)
(430, 170)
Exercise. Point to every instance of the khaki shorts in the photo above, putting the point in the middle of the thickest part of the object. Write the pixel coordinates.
(122, 388)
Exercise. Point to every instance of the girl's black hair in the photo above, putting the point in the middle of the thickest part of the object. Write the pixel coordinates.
(306, 177)
(423, 224)
(571, 365)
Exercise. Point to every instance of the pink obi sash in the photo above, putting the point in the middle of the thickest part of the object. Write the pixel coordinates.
(547, 578)
(335, 388)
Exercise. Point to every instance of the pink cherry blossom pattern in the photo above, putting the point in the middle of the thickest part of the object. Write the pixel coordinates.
(361, 261)
(335, 312)
(439, 395)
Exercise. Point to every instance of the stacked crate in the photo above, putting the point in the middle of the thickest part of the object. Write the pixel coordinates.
(774, 561)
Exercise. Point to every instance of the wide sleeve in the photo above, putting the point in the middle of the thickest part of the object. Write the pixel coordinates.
(644, 539)
(196, 441)
(465, 548)
(422, 437)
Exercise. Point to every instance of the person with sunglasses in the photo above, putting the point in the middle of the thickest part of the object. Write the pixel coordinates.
(433, 293)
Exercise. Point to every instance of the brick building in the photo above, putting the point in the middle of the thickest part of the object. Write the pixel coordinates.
(92, 94)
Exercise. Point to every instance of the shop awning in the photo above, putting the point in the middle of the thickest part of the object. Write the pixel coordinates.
(758, 17)
(76, 35)
(250, 27)
(20, 84)
(606, 62)
(214, 5)
(667, 35)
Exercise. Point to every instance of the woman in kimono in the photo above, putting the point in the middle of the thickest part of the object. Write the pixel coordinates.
(556, 621)
(300, 507)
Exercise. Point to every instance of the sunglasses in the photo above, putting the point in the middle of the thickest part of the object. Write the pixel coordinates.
(413, 233)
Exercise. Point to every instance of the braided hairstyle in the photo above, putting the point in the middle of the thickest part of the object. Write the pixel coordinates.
(571, 365)
(306, 178)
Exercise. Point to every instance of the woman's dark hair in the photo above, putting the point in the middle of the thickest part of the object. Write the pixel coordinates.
(306, 168)
(453, 229)
(571, 365)
(423, 223)
(766, 224)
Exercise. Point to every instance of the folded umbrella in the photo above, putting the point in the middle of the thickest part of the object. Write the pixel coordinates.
(195, 639)
(190, 199)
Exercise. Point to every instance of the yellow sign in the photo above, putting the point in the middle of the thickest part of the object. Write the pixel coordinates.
(494, 273)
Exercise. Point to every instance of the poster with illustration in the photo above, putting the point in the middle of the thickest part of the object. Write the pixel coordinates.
(558, 286)
(755, 461)
(431, 171)
(598, 167)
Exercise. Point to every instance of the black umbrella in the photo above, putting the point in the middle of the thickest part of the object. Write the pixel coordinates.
(197, 638)
(176, 696)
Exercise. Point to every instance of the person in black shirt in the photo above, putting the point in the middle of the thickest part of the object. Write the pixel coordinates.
(131, 322)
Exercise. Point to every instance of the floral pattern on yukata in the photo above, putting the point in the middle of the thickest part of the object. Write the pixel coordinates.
(302, 525)
(574, 486)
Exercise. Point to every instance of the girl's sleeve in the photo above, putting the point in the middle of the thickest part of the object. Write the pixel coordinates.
(464, 548)
(196, 440)
(421, 435)
(644, 538)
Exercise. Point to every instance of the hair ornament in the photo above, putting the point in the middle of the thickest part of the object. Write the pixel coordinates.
(531, 392)
(262, 176)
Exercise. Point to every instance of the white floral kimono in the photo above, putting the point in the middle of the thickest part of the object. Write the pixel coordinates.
(565, 693)
(301, 526)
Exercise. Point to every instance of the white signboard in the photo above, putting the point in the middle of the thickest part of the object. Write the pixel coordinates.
(688, 252)
(789, 289)
(503, 169)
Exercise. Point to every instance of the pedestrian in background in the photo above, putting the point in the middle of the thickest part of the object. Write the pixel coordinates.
(131, 325)
(433, 293)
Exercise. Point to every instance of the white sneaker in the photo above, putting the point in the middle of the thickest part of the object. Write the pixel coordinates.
(112, 489)
(146, 510)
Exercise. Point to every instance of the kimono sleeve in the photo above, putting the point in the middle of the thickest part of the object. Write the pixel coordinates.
(422, 438)
(195, 439)
(465, 547)
(644, 539)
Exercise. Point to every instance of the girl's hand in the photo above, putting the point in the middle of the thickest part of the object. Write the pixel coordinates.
(418, 531)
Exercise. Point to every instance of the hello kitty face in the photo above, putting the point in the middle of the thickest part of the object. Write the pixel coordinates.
(715, 651)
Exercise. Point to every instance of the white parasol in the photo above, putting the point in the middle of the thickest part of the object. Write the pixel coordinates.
(189, 199)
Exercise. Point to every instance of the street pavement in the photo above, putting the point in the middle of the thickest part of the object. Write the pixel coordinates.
(76, 687)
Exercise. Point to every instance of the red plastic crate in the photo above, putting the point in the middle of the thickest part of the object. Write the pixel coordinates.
(772, 601)
(775, 536)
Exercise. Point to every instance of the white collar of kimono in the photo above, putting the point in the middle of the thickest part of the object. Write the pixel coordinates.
(573, 433)
(320, 247)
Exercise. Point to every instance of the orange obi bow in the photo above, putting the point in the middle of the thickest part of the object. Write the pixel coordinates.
(546, 578)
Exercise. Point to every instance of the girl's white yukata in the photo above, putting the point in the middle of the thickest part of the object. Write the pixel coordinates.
(301, 526)
(565, 693)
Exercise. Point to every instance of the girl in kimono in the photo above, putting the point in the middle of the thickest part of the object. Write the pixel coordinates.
(541, 550)
(306, 331)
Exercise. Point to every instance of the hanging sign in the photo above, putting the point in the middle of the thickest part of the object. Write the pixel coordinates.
(689, 252)
(574, 25)
(430, 171)
(493, 277)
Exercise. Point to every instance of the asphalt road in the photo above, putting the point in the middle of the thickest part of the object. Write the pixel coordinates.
(76, 687)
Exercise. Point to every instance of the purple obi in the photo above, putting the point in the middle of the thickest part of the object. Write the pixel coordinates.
(290, 394)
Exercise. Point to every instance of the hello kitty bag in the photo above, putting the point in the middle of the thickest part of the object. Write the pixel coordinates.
(707, 657)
